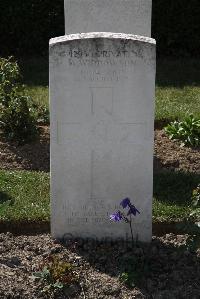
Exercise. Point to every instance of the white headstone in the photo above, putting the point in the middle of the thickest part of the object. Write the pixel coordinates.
(124, 16)
(102, 118)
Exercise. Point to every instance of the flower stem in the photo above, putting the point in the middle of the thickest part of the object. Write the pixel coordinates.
(130, 224)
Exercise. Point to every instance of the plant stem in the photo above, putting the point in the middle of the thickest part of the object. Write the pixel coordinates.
(130, 223)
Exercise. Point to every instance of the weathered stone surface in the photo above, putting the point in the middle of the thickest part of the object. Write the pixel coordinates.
(126, 16)
(102, 116)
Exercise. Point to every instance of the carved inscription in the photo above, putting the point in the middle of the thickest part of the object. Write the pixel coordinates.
(100, 62)
(94, 204)
(99, 75)
(86, 220)
(80, 53)
(93, 65)
(91, 214)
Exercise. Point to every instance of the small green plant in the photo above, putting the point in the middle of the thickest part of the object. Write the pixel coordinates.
(17, 120)
(187, 131)
(196, 204)
(17, 115)
(56, 274)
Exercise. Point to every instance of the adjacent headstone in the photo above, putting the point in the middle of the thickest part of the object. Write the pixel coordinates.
(124, 16)
(102, 117)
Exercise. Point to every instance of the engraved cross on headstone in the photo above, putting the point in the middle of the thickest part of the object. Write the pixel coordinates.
(101, 128)
(102, 125)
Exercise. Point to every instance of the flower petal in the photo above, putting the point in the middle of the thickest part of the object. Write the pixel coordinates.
(125, 202)
(116, 216)
(133, 211)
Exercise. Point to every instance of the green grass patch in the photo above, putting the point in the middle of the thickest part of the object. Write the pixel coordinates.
(172, 195)
(40, 94)
(24, 196)
(177, 89)
(175, 102)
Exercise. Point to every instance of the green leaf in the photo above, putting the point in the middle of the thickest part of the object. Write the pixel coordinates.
(37, 275)
(187, 131)
(58, 285)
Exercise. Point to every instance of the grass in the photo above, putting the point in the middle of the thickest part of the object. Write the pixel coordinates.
(177, 86)
(172, 195)
(25, 195)
(177, 89)
(175, 103)
(40, 94)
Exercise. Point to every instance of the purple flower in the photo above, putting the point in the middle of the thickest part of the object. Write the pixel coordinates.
(125, 202)
(116, 216)
(133, 210)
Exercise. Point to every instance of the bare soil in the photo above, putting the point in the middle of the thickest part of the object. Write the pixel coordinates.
(31, 156)
(168, 154)
(167, 268)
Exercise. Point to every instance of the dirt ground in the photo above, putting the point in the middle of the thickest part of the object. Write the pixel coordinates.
(31, 156)
(170, 155)
(166, 269)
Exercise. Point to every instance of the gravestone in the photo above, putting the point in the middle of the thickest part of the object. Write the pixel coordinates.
(123, 16)
(102, 89)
